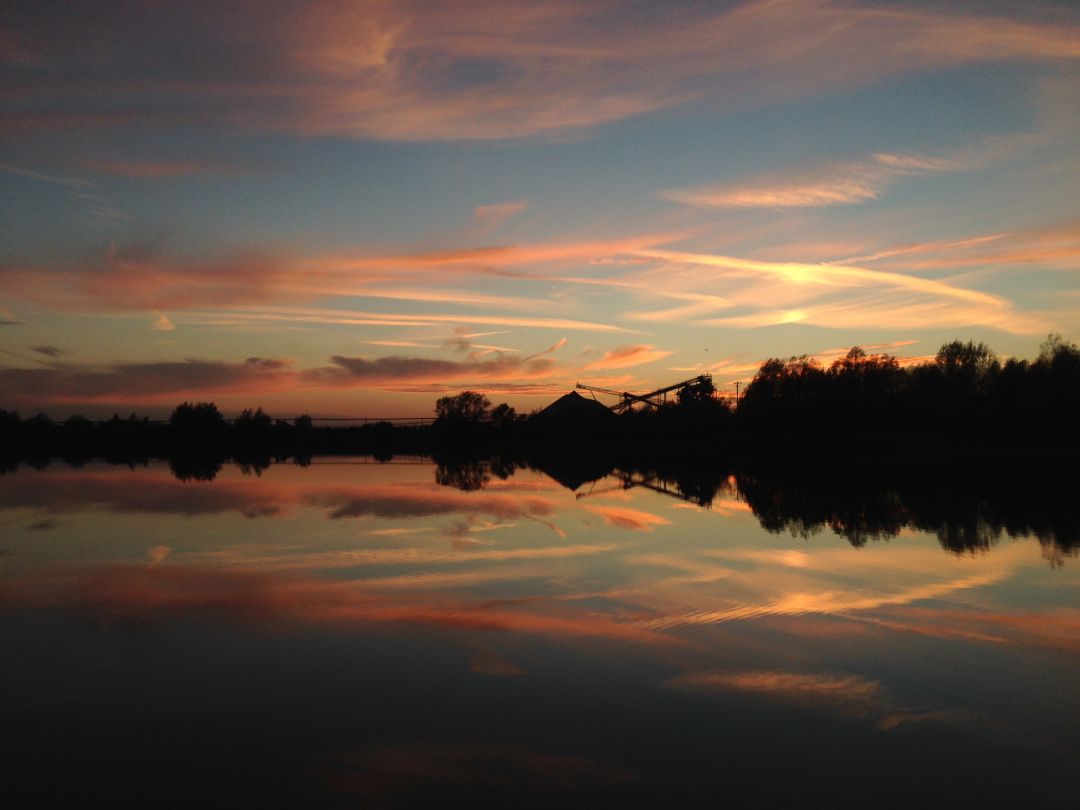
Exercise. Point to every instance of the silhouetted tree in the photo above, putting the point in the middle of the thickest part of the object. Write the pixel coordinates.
(968, 367)
(196, 418)
(462, 473)
(503, 416)
(1056, 352)
(194, 467)
(253, 421)
(468, 406)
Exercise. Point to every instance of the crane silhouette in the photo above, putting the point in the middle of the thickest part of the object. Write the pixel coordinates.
(652, 399)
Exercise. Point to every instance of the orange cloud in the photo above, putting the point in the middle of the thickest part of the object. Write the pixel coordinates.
(162, 323)
(149, 278)
(838, 296)
(624, 517)
(627, 356)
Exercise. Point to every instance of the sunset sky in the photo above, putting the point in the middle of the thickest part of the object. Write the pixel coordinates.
(352, 208)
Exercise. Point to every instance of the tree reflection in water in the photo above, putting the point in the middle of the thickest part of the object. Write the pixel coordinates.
(969, 509)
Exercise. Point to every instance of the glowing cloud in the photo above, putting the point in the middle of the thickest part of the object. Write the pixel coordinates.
(162, 323)
(623, 517)
(627, 356)
(838, 296)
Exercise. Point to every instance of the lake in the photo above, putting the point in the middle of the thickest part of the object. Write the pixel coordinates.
(359, 634)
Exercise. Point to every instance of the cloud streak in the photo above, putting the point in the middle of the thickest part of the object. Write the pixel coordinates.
(148, 277)
(151, 383)
(837, 296)
(846, 695)
(627, 357)
(845, 183)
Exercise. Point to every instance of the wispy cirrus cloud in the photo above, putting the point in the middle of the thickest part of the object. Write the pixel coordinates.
(847, 695)
(149, 277)
(753, 293)
(549, 350)
(480, 69)
(69, 182)
(77, 188)
(361, 318)
(802, 585)
(846, 182)
(1055, 246)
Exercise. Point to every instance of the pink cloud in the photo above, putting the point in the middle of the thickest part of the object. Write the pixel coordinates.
(481, 69)
(150, 278)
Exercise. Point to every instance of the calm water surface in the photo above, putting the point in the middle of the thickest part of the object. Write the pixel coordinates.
(359, 634)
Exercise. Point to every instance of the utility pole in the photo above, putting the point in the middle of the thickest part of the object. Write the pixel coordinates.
(736, 395)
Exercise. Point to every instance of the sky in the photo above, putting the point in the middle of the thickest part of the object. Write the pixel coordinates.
(353, 208)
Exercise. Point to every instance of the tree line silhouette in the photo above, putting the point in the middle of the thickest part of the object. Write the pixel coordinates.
(964, 398)
(965, 393)
(969, 509)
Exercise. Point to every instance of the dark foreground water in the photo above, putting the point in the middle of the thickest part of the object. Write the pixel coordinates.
(381, 635)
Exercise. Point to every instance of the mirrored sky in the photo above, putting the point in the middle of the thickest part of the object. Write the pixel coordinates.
(356, 541)
(361, 629)
(350, 208)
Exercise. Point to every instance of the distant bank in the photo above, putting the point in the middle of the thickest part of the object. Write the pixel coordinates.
(965, 402)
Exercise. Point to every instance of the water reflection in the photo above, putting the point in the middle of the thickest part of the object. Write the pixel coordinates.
(968, 509)
(529, 631)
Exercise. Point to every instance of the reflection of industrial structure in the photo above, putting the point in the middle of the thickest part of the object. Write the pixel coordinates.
(653, 399)
(628, 480)
(702, 493)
